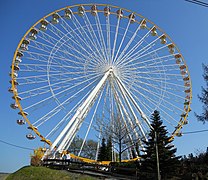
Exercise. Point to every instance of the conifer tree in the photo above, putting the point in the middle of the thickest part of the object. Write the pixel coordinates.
(167, 161)
(204, 97)
(102, 156)
(109, 149)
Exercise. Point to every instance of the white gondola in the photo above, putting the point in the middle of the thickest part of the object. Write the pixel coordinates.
(178, 58)
(68, 14)
(17, 60)
(55, 18)
(154, 31)
(43, 25)
(16, 67)
(32, 35)
(11, 90)
(171, 48)
(183, 72)
(30, 136)
(106, 11)
(81, 11)
(20, 122)
(24, 45)
(143, 24)
(183, 115)
(186, 102)
(187, 90)
(44, 149)
(94, 10)
(179, 134)
(22, 113)
(188, 97)
(14, 106)
(187, 84)
(14, 81)
(15, 75)
(163, 39)
(186, 78)
(18, 98)
(170, 145)
(33, 127)
(132, 18)
(183, 67)
(20, 54)
(119, 13)
(185, 122)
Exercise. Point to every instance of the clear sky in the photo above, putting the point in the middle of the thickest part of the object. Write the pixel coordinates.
(184, 22)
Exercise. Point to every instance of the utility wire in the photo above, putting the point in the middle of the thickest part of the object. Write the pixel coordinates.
(192, 132)
(201, 3)
(10, 144)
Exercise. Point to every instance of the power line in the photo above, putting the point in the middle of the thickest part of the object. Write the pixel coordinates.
(192, 132)
(201, 3)
(10, 144)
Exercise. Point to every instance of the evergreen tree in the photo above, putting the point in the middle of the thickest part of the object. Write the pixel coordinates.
(102, 156)
(168, 162)
(204, 97)
(109, 149)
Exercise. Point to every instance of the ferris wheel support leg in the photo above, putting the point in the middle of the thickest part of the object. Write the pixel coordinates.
(134, 102)
(65, 134)
(122, 108)
(131, 110)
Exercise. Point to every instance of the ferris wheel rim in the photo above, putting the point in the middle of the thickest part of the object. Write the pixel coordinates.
(32, 27)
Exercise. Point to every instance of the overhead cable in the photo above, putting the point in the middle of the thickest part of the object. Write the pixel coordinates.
(10, 144)
(201, 3)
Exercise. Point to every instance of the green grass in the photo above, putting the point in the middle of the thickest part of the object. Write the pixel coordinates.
(43, 173)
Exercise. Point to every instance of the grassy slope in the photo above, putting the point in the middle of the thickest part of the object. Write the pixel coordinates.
(43, 173)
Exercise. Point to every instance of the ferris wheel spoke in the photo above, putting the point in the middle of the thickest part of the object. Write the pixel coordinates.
(154, 102)
(158, 97)
(83, 32)
(93, 35)
(91, 121)
(64, 82)
(115, 39)
(164, 80)
(122, 108)
(66, 117)
(42, 66)
(127, 129)
(100, 32)
(123, 56)
(59, 93)
(139, 55)
(44, 58)
(128, 58)
(64, 103)
(54, 75)
(132, 111)
(79, 38)
(80, 113)
(67, 39)
(65, 55)
(122, 86)
(121, 43)
(157, 65)
(73, 41)
(108, 28)
(156, 60)
(163, 90)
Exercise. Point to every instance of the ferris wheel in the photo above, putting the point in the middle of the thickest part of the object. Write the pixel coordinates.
(87, 62)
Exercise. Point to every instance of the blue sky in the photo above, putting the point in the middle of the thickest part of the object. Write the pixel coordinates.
(184, 22)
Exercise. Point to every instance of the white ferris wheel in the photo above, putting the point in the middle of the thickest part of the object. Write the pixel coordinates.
(87, 62)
